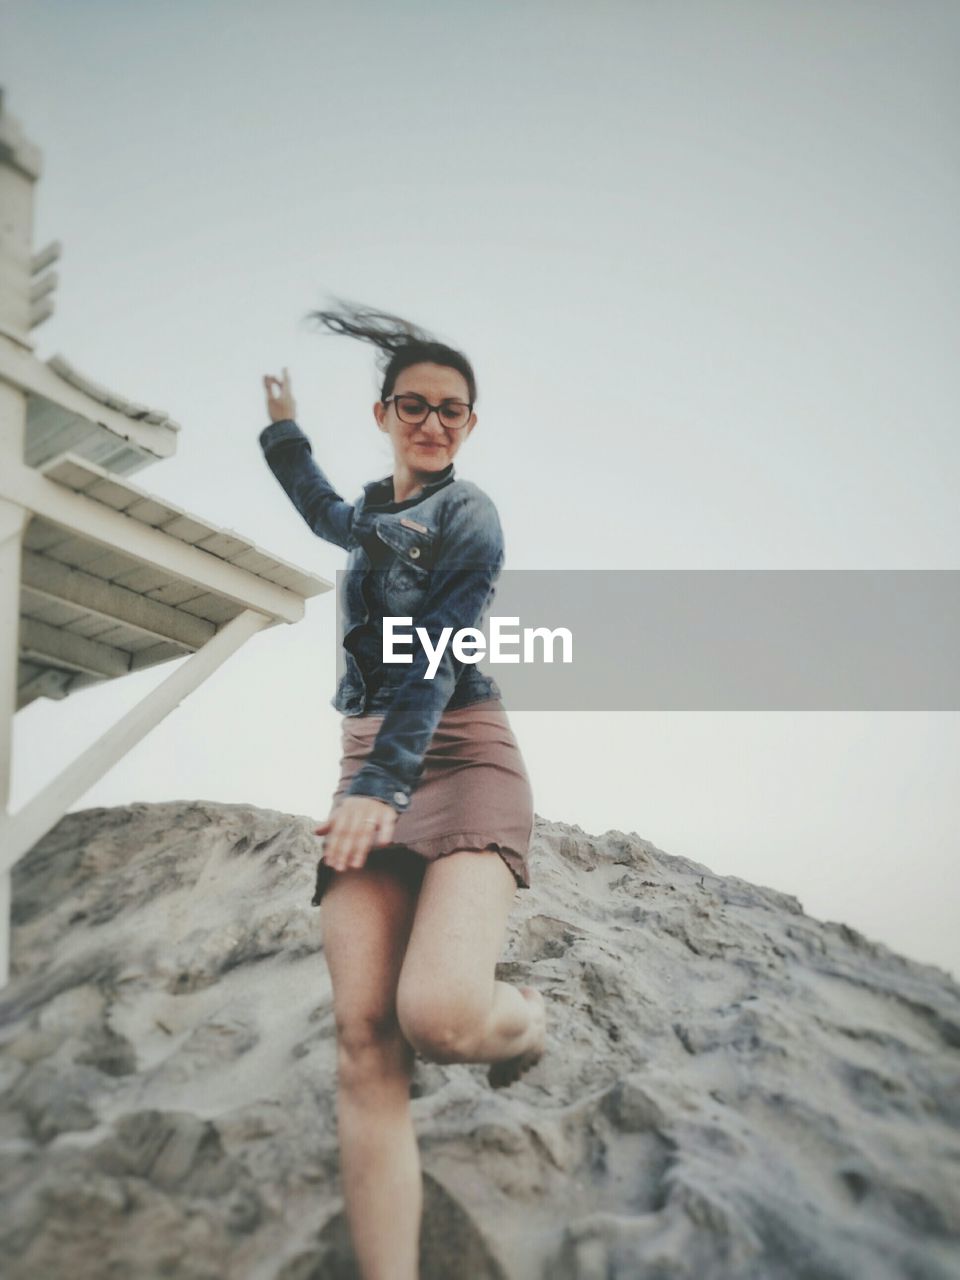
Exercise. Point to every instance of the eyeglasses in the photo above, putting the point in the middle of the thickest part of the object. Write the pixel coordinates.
(414, 410)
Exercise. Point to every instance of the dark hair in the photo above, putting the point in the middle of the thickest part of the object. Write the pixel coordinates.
(401, 343)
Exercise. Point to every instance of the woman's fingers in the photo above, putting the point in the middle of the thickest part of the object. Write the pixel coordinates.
(369, 836)
(352, 832)
(361, 840)
(280, 401)
(338, 846)
(361, 844)
(375, 831)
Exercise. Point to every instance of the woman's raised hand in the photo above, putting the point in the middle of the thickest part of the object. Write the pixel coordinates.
(353, 829)
(280, 401)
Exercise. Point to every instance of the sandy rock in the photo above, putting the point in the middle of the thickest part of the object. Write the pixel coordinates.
(730, 1089)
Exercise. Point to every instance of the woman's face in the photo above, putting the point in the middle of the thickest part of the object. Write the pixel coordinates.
(430, 446)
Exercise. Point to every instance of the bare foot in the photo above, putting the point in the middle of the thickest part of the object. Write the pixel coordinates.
(511, 1069)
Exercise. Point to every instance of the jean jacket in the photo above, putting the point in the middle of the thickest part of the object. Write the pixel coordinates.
(434, 558)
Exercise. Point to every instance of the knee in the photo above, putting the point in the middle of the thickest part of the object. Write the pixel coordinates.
(370, 1048)
(441, 1029)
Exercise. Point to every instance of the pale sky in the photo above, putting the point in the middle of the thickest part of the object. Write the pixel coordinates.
(704, 260)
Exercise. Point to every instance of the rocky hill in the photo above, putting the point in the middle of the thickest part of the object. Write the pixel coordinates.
(730, 1088)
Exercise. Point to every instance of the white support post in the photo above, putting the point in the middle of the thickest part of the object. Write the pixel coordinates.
(20, 831)
(13, 520)
(20, 164)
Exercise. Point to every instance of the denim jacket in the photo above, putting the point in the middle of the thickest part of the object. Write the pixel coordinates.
(433, 558)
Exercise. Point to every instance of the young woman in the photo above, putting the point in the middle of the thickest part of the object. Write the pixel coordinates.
(428, 834)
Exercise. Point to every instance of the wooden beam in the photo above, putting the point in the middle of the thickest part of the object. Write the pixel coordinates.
(39, 642)
(43, 257)
(21, 369)
(165, 651)
(93, 520)
(58, 581)
(46, 684)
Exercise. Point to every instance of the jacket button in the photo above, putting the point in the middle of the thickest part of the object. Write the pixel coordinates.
(414, 553)
(400, 798)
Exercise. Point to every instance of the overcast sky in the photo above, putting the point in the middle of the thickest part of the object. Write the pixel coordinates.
(704, 258)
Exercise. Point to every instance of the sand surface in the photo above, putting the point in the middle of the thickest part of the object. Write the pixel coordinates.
(730, 1088)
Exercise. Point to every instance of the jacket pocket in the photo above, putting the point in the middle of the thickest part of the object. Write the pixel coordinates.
(407, 571)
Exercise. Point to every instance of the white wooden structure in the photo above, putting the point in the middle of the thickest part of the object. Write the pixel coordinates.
(98, 578)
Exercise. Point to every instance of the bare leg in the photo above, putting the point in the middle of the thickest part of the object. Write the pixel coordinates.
(515, 1024)
(366, 917)
(450, 1006)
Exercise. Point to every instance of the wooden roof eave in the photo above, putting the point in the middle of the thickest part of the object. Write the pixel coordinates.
(57, 382)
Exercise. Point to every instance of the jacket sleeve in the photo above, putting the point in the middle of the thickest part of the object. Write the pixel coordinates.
(289, 456)
(468, 562)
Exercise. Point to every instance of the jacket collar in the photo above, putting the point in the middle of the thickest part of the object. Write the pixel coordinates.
(379, 493)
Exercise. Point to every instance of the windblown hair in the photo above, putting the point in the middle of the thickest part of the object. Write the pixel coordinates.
(401, 342)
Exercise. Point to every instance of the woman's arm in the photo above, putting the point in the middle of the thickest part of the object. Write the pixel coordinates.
(468, 562)
(289, 456)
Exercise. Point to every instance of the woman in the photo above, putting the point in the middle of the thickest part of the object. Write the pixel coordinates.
(427, 838)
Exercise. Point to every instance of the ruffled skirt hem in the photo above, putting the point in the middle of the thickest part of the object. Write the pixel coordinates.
(428, 850)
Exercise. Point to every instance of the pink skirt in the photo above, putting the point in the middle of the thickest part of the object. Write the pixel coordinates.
(474, 793)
